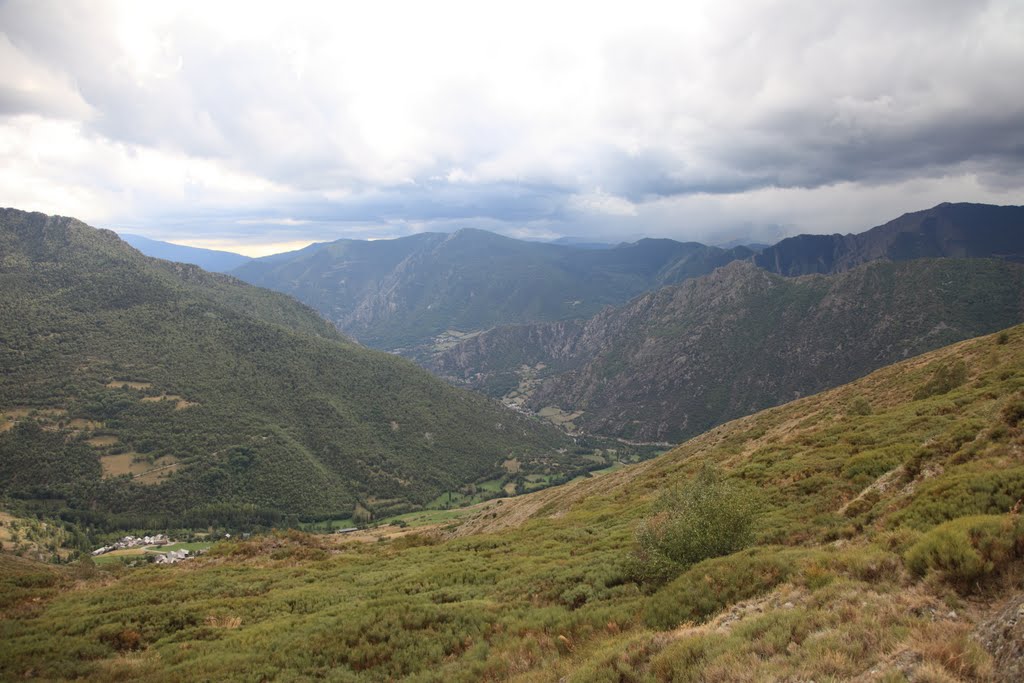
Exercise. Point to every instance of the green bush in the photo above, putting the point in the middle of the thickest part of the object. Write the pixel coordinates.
(945, 379)
(707, 517)
(859, 406)
(965, 552)
(710, 586)
(1013, 412)
(869, 465)
(960, 493)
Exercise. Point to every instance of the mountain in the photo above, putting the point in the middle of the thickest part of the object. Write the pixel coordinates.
(884, 544)
(140, 392)
(402, 294)
(947, 230)
(207, 259)
(677, 361)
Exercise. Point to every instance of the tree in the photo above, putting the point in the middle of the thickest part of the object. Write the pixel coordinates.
(707, 517)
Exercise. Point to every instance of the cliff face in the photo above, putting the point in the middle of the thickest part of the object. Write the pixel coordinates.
(506, 348)
(947, 230)
(677, 361)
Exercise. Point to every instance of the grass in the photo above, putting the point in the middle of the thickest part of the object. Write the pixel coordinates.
(428, 517)
(133, 464)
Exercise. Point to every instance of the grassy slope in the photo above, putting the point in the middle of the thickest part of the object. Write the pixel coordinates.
(539, 588)
(284, 415)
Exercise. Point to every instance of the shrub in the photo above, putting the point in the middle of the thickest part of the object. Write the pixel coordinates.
(965, 552)
(1013, 412)
(945, 379)
(859, 406)
(962, 493)
(708, 517)
(711, 586)
(869, 465)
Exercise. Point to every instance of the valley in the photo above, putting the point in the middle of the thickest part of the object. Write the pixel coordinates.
(343, 513)
(147, 389)
(884, 546)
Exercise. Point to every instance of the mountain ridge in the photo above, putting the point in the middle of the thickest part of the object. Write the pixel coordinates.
(676, 361)
(401, 294)
(953, 230)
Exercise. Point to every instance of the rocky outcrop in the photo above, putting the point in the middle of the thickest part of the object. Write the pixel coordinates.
(1003, 636)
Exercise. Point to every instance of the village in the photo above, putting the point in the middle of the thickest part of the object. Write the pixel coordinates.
(148, 545)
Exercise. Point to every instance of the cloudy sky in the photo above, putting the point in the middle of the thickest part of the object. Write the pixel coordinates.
(258, 127)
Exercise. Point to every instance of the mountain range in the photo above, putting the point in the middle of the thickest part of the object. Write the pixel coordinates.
(401, 294)
(548, 328)
(138, 392)
(416, 295)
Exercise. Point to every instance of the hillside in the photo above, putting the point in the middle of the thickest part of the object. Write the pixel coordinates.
(677, 361)
(402, 294)
(886, 545)
(213, 260)
(946, 230)
(143, 393)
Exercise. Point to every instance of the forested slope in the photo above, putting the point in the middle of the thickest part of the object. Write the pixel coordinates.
(146, 393)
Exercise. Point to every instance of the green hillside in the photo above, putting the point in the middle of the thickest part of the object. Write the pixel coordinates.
(874, 531)
(142, 393)
(677, 361)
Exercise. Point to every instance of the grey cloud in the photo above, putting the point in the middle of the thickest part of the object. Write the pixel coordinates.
(798, 95)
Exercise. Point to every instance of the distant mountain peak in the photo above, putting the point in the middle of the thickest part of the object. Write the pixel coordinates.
(208, 259)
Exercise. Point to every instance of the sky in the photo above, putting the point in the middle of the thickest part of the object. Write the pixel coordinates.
(260, 127)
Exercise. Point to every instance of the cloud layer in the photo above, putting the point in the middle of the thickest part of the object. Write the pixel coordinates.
(244, 122)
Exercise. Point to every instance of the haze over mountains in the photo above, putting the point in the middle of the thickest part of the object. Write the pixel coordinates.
(947, 230)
